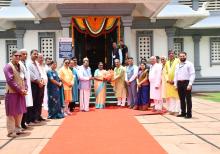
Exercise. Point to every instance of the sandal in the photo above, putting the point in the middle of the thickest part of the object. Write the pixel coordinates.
(13, 135)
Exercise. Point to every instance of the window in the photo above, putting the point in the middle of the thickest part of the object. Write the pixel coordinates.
(178, 45)
(215, 50)
(144, 45)
(11, 45)
(47, 44)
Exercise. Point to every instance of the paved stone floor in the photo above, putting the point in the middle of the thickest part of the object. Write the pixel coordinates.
(176, 135)
(30, 143)
(201, 134)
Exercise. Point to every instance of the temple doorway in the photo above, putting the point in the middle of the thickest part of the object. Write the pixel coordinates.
(93, 39)
(97, 49)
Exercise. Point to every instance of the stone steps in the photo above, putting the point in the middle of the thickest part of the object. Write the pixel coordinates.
(110, 95)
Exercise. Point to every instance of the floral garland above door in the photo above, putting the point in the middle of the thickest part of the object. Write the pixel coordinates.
(95, 25)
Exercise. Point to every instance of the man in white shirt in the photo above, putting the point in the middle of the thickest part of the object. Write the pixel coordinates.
(36, 87)
(116, 53)
(183, 80)
(28, 97)
(43, 90)
(130, 79)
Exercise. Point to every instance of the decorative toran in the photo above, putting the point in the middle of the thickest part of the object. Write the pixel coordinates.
(95, 25)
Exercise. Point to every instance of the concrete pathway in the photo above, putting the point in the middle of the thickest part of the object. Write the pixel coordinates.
(176, 135)
(30, 143)
(201, 134)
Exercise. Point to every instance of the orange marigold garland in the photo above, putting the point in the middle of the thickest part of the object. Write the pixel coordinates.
(94, 25)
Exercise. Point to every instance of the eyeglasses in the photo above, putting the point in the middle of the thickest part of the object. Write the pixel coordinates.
(17, 55)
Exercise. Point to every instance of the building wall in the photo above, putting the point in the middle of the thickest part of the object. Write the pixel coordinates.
(31, 42)
(189, 48)
(206, 69)
(159, 47)
(133, 51)
(3, 57)
(160, 42)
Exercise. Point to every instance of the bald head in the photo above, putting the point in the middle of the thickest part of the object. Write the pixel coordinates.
(117, 62)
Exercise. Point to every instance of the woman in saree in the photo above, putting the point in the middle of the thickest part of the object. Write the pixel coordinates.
(143, 88)
(100, 86)
(66, 76)
(54, 89)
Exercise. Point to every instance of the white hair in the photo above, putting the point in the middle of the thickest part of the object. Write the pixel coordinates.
(163, 57)
(21, 50)
(153, 57)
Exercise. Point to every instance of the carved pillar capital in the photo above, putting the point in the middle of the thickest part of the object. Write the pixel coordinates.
(65, 21)
(127, 21)
(19, 33)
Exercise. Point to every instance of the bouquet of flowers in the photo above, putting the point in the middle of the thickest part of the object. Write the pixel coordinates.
(109, 75)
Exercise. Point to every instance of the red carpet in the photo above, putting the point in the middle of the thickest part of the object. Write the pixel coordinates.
(108, 131)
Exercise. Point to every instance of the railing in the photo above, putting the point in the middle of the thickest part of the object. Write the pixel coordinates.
(213, 5)
(4, 3)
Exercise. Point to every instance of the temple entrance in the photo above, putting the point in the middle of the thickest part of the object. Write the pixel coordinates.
(93, 37)
(97, 49)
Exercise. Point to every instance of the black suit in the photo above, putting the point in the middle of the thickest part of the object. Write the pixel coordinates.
(124, 53)
(115, 55)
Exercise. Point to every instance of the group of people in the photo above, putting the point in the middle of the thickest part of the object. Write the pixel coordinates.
(33, 84)
(151, 84)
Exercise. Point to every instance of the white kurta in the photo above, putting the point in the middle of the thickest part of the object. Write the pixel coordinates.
(85, 87)
(43, 73)
(155, 81)
(28, 97)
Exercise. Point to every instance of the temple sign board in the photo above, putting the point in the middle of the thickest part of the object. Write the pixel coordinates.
(65, 47)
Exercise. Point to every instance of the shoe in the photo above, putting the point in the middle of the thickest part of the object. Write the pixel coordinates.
(188, 116)
(69, 113)
(181, 115)
(171, 113)
(33, 124)
(144, 108)
(13, 135)
(19, 133)
(19, 130)
(24, 126)
(41, 119)
(135, 107)
(36, 121)
(65, 115)
(154, 110)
